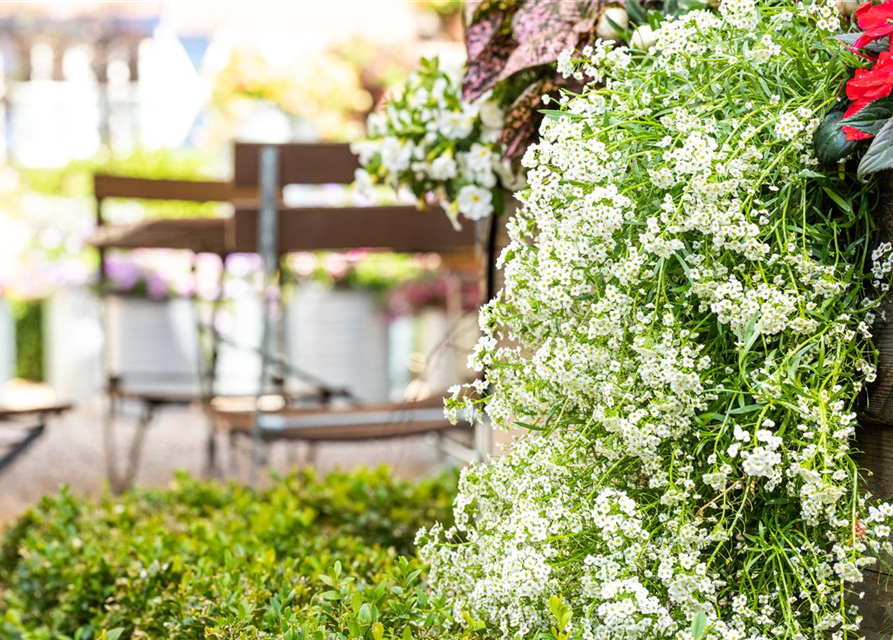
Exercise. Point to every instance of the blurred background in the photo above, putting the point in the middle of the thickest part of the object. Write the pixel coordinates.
(162, 90)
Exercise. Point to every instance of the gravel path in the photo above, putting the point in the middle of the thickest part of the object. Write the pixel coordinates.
(71, 452)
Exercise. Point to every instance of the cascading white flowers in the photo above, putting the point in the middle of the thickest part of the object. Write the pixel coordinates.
(685, 331)
(433, 142)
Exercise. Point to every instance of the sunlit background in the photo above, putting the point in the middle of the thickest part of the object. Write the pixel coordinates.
(162, 90)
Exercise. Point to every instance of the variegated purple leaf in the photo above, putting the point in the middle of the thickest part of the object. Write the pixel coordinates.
(471, 8)
(522, 119)
(545, 29)
(483, 72)
(479, 34)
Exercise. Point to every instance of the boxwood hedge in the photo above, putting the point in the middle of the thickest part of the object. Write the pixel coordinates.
(308, 558)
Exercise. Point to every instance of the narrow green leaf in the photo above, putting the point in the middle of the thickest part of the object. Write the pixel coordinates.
(636, 12)
(746, 409)
(751, 333)
(840, 202)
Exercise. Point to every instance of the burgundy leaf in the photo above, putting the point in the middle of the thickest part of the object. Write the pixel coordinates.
(544, 29)
(471, 8)
(479, 34)
(505, 38)
(522, 119)
(483, 72)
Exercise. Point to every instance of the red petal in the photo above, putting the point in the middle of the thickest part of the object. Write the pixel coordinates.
(855, 107)
(869, 17)
(851, 133)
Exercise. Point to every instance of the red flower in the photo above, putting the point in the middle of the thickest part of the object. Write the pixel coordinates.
(876, 20)
(867, 86)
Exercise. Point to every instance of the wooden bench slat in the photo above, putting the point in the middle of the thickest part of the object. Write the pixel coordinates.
(49, 409)
(299, 163)
(201, 235)
(372, 422)
(109, 186)
(395, 228)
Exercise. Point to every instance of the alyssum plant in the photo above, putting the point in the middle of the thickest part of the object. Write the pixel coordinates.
(685, 330)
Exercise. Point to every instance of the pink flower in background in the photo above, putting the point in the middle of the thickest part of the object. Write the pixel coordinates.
(156, 287)
(242, 265)
(123, 273)
(303, 264)
(336, 265)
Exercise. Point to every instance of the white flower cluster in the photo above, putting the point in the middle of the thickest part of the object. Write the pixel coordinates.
(431, 141)
(684, 330)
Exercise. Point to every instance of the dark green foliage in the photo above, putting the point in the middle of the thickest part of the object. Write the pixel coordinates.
(308, 558)
(831, 145)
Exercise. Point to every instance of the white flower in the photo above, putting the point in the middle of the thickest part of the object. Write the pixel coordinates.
(376, 124)
(443, 168)
(428, 140)
(479, 158)
(396, 154)
(761, 461)
(475, 202)
(363, 182)
(365, 150)
(491, 115)
(455, 125)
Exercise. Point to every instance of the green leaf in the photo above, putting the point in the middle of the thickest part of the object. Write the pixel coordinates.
(699, 626)
(880, 154)
(831, 145)
(636, 12)
(845, 206)
(751, 334)
(750, 408)
(872, 118)
(364, 617)
(561, 612)
(113, 634)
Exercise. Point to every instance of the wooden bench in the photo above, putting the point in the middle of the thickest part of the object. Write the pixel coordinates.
(264, 225)
(253, 190)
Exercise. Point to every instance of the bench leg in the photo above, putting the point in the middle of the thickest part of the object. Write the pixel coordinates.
(310, 454)
(212, 466)
(120, 482)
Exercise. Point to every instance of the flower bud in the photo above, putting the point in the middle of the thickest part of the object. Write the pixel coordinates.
(643, 38)
(604, 29)
(847, 7)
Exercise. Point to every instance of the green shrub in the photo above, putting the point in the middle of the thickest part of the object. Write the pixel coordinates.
(307, 558)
